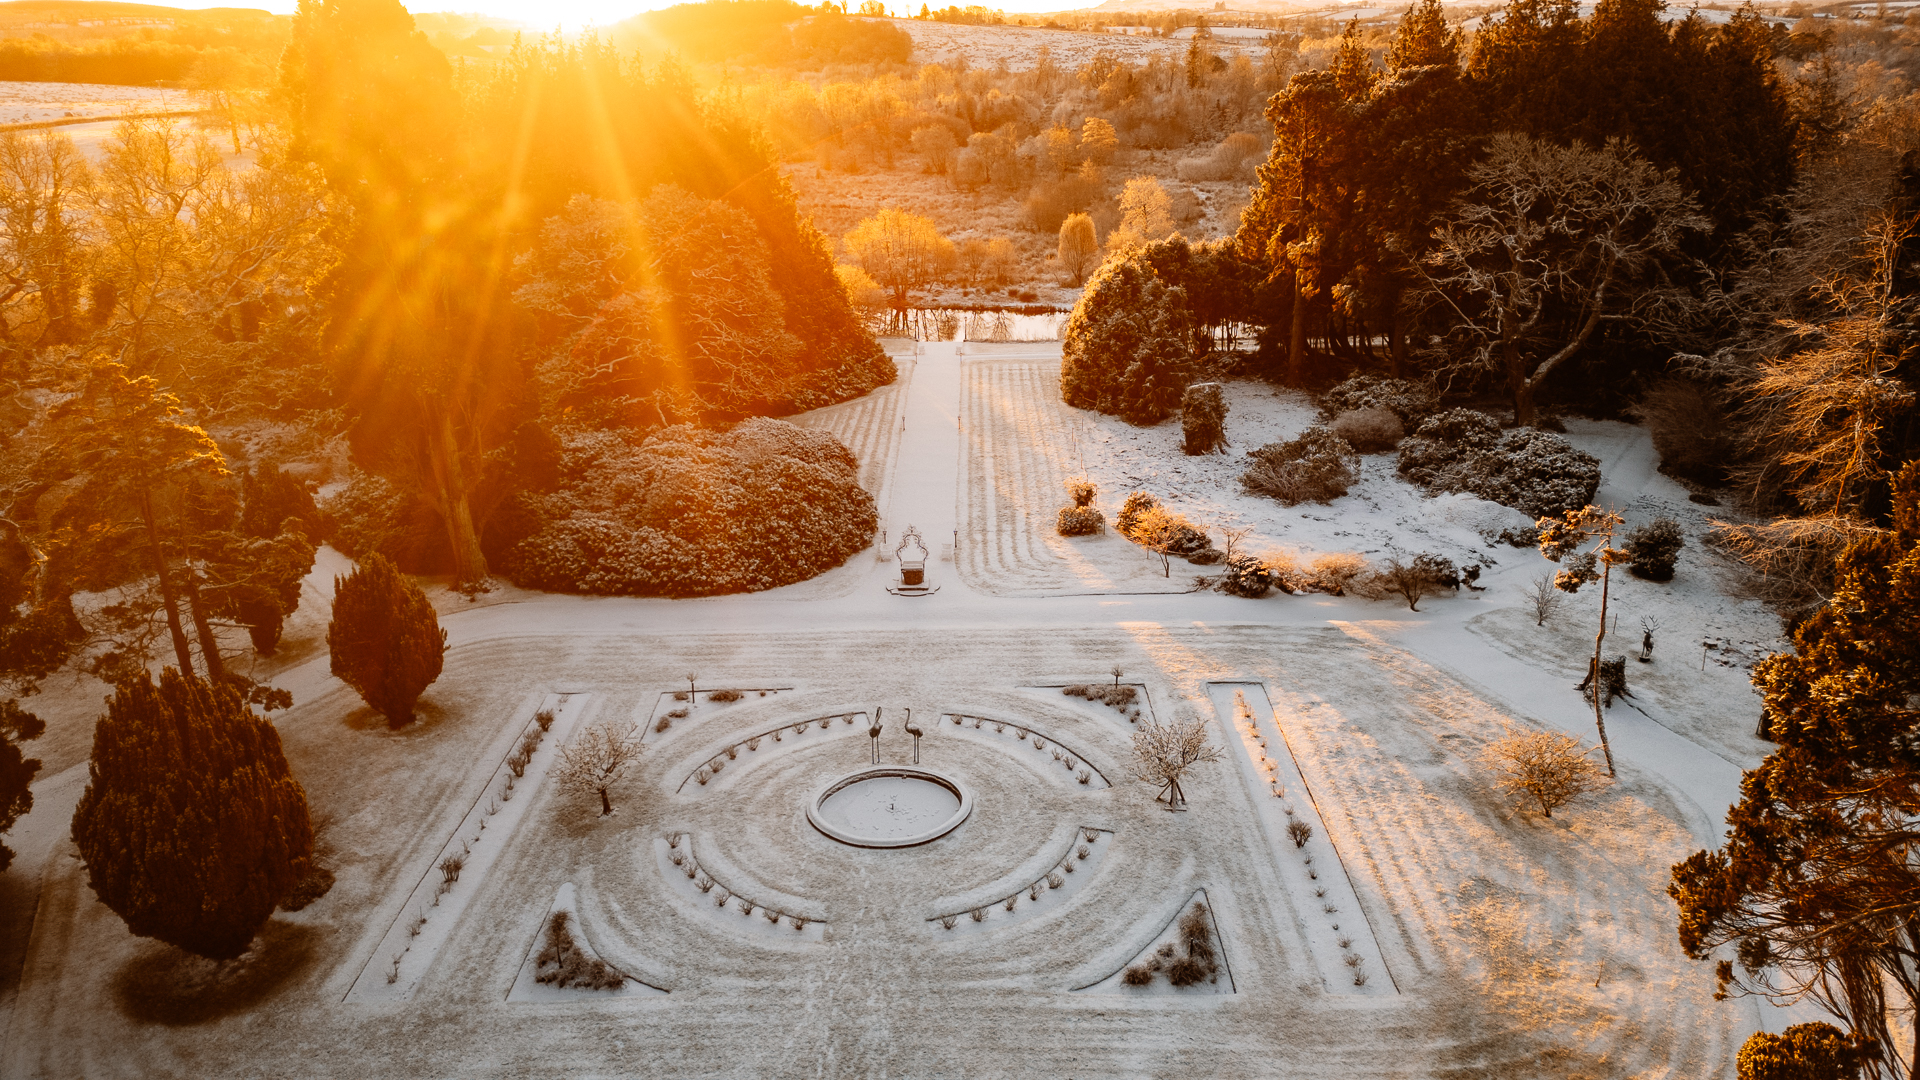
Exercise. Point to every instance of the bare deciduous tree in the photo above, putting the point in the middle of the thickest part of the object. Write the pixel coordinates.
(902, 252)
(1162, 754)
(1544, 597)
(1546, 227)
(1548, 768)
(1079, 246)
(599, 758)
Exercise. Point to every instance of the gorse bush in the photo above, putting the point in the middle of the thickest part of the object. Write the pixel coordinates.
(1412, 402)
(1246, 576)
(1530, 470)
(1319, 466)
(691, 512)
(1653, 548)
(1369, 430)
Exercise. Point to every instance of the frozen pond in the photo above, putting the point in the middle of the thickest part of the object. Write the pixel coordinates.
(890, 807)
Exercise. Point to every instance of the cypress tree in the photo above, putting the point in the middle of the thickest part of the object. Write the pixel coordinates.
(192, 826)
(385, 640)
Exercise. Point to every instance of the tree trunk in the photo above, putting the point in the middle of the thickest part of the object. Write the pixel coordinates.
(209, 645)
(1396, 338)
(1600, 721)
(469, 562)
(168, 598)
(605, 806)
(1297, 337)
(1517, 383)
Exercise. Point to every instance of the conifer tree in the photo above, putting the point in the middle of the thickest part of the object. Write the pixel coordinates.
(192, 826)
(385, 640)
(16, 769)
(1816, 890)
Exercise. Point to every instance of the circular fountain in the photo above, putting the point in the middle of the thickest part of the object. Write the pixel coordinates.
(890, 806)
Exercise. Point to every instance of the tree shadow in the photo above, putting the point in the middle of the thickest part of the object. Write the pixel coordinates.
(165, 985)
(427, 714)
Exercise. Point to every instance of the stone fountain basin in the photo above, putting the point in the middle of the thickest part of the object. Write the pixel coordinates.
(890, 806)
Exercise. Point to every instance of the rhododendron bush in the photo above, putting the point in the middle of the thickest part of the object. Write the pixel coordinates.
(693, 512)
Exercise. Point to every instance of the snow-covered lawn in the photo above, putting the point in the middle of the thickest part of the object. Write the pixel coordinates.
(1496, 943)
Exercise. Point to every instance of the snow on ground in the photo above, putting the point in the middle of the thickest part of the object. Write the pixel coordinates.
(1500, 944)
(1020, 46)
(40, 102)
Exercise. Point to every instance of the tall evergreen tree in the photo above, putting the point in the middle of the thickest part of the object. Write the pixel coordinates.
(1817, 888)
(1422, 39)
(192, 826)
(16, 769)
(385, 640)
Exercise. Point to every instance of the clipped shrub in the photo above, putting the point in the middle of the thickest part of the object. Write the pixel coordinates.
(1209, 556)
(1653, 548)
(1412, 402)
(1127, 348)
(1138, 975)
(1694, 436)
(1203, 418)
(1319, 466)
(1533, 471)
(692, 512)
(1370, 431)
(384, 639)
(1081, 519)
(192, 826)
(723, 695)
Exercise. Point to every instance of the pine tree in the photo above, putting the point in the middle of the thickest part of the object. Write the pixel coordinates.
(16, 769)
(192, 826)
(385, 640)
(1816, 890)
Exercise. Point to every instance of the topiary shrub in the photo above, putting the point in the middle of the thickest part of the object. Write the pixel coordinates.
(1369, 431)
(1815, 1051)
(693, 512)
(1127, 348)
(192, 827)
(1533, 471)
(1203, 418)
(1319, 466)
(1653, 548)
(1081, 519)
(1412, 402)
(384, 639)
(561, 962)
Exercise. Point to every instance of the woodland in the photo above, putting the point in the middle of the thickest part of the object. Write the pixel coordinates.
(495, 308)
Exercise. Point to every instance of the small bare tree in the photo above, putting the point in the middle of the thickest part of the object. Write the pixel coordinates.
(599, 758)
(1162, 754)
(1546, 767)
(1412, 582)
(1544, 597)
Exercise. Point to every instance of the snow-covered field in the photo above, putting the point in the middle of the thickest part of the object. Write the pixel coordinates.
(1495, 943)
(1019, 46)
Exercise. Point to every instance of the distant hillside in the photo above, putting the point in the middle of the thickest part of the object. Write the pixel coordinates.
(774, 32)
(99, 41)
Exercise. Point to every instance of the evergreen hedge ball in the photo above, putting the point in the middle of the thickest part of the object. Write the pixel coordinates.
(192, 826)
(694, 512)
(384, 639)
(1653, 549)
(1127, 348)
